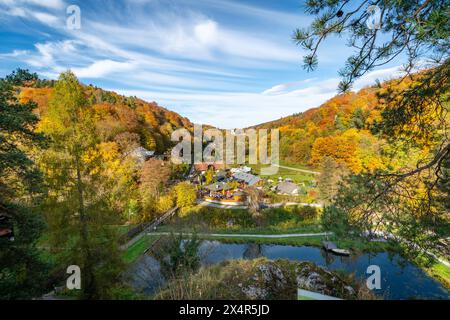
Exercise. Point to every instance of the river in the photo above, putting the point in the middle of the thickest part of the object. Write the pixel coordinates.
(400, 279)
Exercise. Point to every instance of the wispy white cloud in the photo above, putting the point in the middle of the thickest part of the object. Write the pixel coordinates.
(51, 4)
(15, 54)
(49, 51)
(33, 9)
(380, 75)
(290, 19)
(46, 18)
(244, 109)
(216, 61)
(16, 11)
(194, 36)
(103, 68)
(283, 87)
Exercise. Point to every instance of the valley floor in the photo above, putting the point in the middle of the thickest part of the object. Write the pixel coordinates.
(307, 235)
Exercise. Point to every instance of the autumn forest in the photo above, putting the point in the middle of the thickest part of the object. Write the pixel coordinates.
(93, 205)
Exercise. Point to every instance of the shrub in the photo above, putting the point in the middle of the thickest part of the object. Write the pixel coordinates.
(336, 220)
(165, 203)
(186, 196)
(178, 257)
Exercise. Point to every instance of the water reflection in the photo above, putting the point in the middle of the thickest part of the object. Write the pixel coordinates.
(400, 278)
(253, 251)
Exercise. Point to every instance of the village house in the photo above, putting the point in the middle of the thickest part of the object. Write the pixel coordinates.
(204, 166)
(217, 187)
(243, 169)
(246, 178)
(221, 175)
(222, 193)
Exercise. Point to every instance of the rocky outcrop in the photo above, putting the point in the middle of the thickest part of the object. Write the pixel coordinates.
(262, 279)
(280, 279)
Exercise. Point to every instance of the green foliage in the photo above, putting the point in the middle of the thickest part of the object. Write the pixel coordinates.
(133, 209)
(23, 274)
(415, 28)
(208, 218)
(20, 77)
(408, 199)
(358, 119)
(77, 213)
(336, 220)
(178, 257)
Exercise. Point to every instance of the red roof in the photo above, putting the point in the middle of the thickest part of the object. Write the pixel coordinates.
(204, 166)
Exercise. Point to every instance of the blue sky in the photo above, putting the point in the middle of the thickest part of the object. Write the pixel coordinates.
(221, 62)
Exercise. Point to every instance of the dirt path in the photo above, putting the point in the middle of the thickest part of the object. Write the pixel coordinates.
(295, 169)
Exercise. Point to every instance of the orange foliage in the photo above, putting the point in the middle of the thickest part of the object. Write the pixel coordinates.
(115, 114)
(340, 148)
(39, 95)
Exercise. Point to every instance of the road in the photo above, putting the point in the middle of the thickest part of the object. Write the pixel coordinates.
(285, 204)
(296, 169)
(218, 205)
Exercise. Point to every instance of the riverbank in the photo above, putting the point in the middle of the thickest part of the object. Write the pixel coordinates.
(435, 269)
(400, 278)
(311, 235)
(138, 248)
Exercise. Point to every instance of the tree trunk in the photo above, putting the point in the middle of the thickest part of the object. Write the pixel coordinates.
(86, 274)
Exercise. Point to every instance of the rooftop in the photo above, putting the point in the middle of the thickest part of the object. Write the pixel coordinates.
(218, 186)
(247, 178)
(287, 187)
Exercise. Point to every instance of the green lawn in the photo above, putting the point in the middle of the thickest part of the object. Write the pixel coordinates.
(441, 272)
(296, 176)
(294, 241)
(271, 221)
(138, 248)
(357, 245)
(122, 229)
(434, 268)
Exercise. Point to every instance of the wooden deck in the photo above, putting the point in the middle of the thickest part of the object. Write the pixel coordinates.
(328, 245)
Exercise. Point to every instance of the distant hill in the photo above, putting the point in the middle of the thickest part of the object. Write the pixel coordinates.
(342, 105)
(117, 114)
(340, 128)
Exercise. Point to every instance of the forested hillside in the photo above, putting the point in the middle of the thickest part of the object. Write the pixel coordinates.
(376, 151)
(342, 128)
(116, 116)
